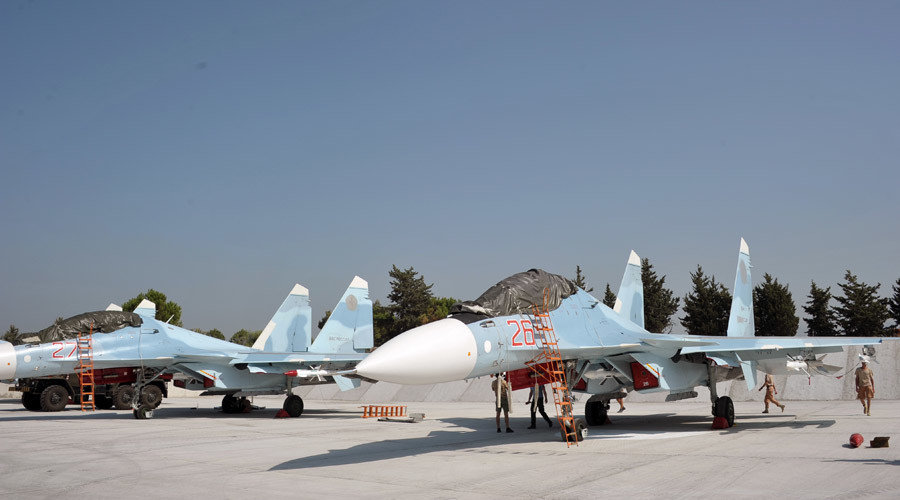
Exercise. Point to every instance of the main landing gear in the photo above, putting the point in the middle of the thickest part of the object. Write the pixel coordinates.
(595, 412)
(721, 406)
(232, 404)
(293, 405)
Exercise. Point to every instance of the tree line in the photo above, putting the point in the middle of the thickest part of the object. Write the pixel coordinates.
(859, 310)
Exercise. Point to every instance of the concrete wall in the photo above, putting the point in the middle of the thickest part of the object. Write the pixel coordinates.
(797, 387)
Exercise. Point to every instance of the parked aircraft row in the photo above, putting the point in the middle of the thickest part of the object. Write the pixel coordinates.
(604, 350)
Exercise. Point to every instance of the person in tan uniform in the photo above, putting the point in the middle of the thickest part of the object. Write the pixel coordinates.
(503, 398)
(769, 385)
(865, 387)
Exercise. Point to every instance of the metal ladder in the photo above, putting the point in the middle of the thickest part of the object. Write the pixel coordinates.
(85, 369)
(549, 361)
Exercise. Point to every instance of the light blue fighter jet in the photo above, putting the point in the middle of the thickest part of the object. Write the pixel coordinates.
(607, 349)
(281, 358)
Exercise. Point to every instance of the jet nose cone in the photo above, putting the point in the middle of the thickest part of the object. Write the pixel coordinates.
(7, 361)
(442, 351)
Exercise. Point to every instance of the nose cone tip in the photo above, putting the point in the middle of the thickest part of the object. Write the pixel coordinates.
(7, 361)
(442, 351)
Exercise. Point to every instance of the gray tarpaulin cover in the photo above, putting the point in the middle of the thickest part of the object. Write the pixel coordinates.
(100, 321)
(517, 294)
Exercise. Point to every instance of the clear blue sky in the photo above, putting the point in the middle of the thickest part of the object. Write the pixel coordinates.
(222, 151)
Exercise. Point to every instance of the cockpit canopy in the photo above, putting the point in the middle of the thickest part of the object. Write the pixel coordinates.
(515, 295)
(96, 321)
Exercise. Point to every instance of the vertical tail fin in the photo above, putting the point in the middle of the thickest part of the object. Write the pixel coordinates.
(290, 329)
(349, 328)
(630, 300)
(740, 321)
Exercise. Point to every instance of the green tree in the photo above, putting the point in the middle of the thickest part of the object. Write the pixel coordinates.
(439, 308)
(822, 321)
(660, 304)
(324, 319)
(895, 307)
(609, 298)
(861, 313)
(383, 322)
(774, 312)
(579, 280)
(706, 307)
(410, 298)
(214, 333)
(166, 310)
(245, 337)
(11, 335)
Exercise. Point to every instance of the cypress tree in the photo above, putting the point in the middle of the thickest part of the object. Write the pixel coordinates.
(774, 311)
(706, 307)
(609, 298)
(895, 307)
(861, 313)
(659, 302)
(579, 280)
(821, 321)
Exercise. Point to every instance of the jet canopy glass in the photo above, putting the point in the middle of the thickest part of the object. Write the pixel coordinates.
(96, 321)
(515, 295)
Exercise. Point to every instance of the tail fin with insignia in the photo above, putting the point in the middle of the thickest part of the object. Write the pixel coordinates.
(349, 328)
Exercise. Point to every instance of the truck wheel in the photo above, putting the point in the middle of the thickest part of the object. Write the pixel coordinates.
(31, 401)
(103, 402)
(123, 396)
(54, 398)
(151, 396)
(293, 405)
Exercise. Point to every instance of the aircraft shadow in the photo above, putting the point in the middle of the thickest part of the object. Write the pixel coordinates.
(21, 414)
(485, 437)
(869, 461)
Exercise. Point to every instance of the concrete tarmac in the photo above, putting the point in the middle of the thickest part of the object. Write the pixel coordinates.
(651, 450)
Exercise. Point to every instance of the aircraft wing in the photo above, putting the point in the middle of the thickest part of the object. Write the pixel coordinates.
(283, 362)
(777, 347)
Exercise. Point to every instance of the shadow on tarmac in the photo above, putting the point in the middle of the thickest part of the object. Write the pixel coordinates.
(870, 461)
(163, 413)
(480, 435)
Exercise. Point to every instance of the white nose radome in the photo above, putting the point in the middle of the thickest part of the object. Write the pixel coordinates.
(442, 351)
(7, 361)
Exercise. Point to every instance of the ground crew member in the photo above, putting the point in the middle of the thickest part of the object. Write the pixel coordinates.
(769, 385)
(503, 397)
(865, 386)
(536, 397)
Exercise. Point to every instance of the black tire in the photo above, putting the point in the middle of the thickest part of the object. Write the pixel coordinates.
(293, 405)
(595, 413)
(581, 430)
(725, 408)
(31, 401)
(142, 413)
(103, 402)
(54, 398)
(231, 404)
(123, 397)
(151, 396)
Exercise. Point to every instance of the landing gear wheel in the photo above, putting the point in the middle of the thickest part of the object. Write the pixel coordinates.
(123, 397)
(103, 402)
(293, 405)
(151, 396)
(581, 430)
(54, 398)
(143, 413)
(724, 408)
(31, 401)
(231, 404)
(595, 412)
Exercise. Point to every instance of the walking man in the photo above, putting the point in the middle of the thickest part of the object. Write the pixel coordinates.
(536, 397)
(865, 386)
(769, 386)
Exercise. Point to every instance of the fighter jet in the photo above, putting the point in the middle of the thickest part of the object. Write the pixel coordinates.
(281, 358)
(603, 350)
